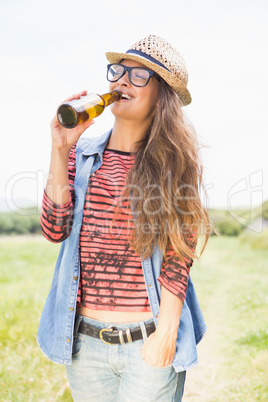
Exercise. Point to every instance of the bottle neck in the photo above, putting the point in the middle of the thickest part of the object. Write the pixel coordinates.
(111, 97)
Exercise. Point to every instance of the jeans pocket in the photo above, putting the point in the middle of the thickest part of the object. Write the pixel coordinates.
(164, 368)
(77, 345)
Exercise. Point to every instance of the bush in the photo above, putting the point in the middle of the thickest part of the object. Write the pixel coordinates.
(265, 210)
(14, 223)
(228, 227)
(224, 223)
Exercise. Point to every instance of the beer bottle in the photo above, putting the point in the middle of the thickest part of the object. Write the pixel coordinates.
(77, 111)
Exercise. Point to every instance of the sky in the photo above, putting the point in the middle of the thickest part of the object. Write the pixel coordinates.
(52, 49)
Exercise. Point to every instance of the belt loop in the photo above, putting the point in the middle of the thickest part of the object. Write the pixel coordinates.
(143, 330)
(121, 336)
(128, 334)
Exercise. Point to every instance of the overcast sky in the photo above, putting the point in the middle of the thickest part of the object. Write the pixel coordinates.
(52, 49)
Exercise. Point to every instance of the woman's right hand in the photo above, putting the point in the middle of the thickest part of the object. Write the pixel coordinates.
(65, 138)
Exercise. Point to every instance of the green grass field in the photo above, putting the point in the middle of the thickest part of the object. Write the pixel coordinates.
(231, 282)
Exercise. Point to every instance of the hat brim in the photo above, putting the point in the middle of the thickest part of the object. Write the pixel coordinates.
(173, 81)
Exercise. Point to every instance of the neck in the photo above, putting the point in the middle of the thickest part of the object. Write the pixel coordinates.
(125, 134)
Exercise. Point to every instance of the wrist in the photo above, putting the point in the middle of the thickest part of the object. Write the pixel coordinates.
(164, 331)
(62, 149)
(60, 157)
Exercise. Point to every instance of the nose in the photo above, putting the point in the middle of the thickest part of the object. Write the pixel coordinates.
(124, 80)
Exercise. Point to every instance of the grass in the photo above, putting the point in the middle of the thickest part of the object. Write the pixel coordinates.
(258, 340)
(258, 241)
(231, 282)
(26, 272)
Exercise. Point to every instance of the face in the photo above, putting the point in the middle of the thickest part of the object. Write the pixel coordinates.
(140, 103)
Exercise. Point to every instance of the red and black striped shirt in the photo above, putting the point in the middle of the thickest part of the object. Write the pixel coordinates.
(111, 272)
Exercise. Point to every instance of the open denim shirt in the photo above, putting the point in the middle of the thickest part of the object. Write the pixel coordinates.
(55, 332)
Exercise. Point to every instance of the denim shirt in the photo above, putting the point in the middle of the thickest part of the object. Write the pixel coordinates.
(55, 332)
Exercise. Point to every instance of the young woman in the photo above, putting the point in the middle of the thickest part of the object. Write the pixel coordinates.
(122, 313)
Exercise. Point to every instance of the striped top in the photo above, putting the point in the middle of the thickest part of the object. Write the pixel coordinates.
(111, 276)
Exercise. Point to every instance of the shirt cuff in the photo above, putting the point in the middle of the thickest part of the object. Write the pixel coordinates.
(57, 207)
(179, 289)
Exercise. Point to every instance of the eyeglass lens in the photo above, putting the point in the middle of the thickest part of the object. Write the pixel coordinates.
(138, 76)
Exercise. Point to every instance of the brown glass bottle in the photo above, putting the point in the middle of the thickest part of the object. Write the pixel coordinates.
(77, 111)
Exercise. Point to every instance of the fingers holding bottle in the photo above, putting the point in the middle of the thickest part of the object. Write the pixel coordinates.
(66, 137)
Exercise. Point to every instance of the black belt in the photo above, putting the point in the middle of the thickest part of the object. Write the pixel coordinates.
(112, 335)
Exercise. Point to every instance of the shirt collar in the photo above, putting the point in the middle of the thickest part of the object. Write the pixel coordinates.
(96, 145)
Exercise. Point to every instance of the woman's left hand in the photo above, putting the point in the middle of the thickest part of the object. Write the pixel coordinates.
(159, 349)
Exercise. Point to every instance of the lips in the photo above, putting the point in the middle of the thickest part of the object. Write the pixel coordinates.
(125, 96)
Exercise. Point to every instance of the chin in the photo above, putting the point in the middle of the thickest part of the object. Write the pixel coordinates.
(118, 111)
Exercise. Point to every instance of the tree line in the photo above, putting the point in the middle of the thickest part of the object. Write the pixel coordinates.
(16, 223)
(223, 220)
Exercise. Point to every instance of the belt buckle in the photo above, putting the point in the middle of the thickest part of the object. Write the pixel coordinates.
(108, 329)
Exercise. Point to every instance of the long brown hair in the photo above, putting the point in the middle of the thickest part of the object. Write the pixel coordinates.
(164, 183)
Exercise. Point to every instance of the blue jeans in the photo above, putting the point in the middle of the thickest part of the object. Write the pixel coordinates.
(107, 373)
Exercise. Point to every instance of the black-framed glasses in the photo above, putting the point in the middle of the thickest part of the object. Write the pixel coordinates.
(138, 76)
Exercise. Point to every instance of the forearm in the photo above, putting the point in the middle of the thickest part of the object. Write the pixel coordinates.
(57, 187)
(159, 349)
(56, 220)
(169, 314)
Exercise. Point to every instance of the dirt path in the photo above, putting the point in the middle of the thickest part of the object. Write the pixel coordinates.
(201, 381)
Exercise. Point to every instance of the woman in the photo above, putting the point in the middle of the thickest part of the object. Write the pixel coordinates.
(122, 312)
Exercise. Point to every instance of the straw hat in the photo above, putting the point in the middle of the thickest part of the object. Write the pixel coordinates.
(159, 56)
